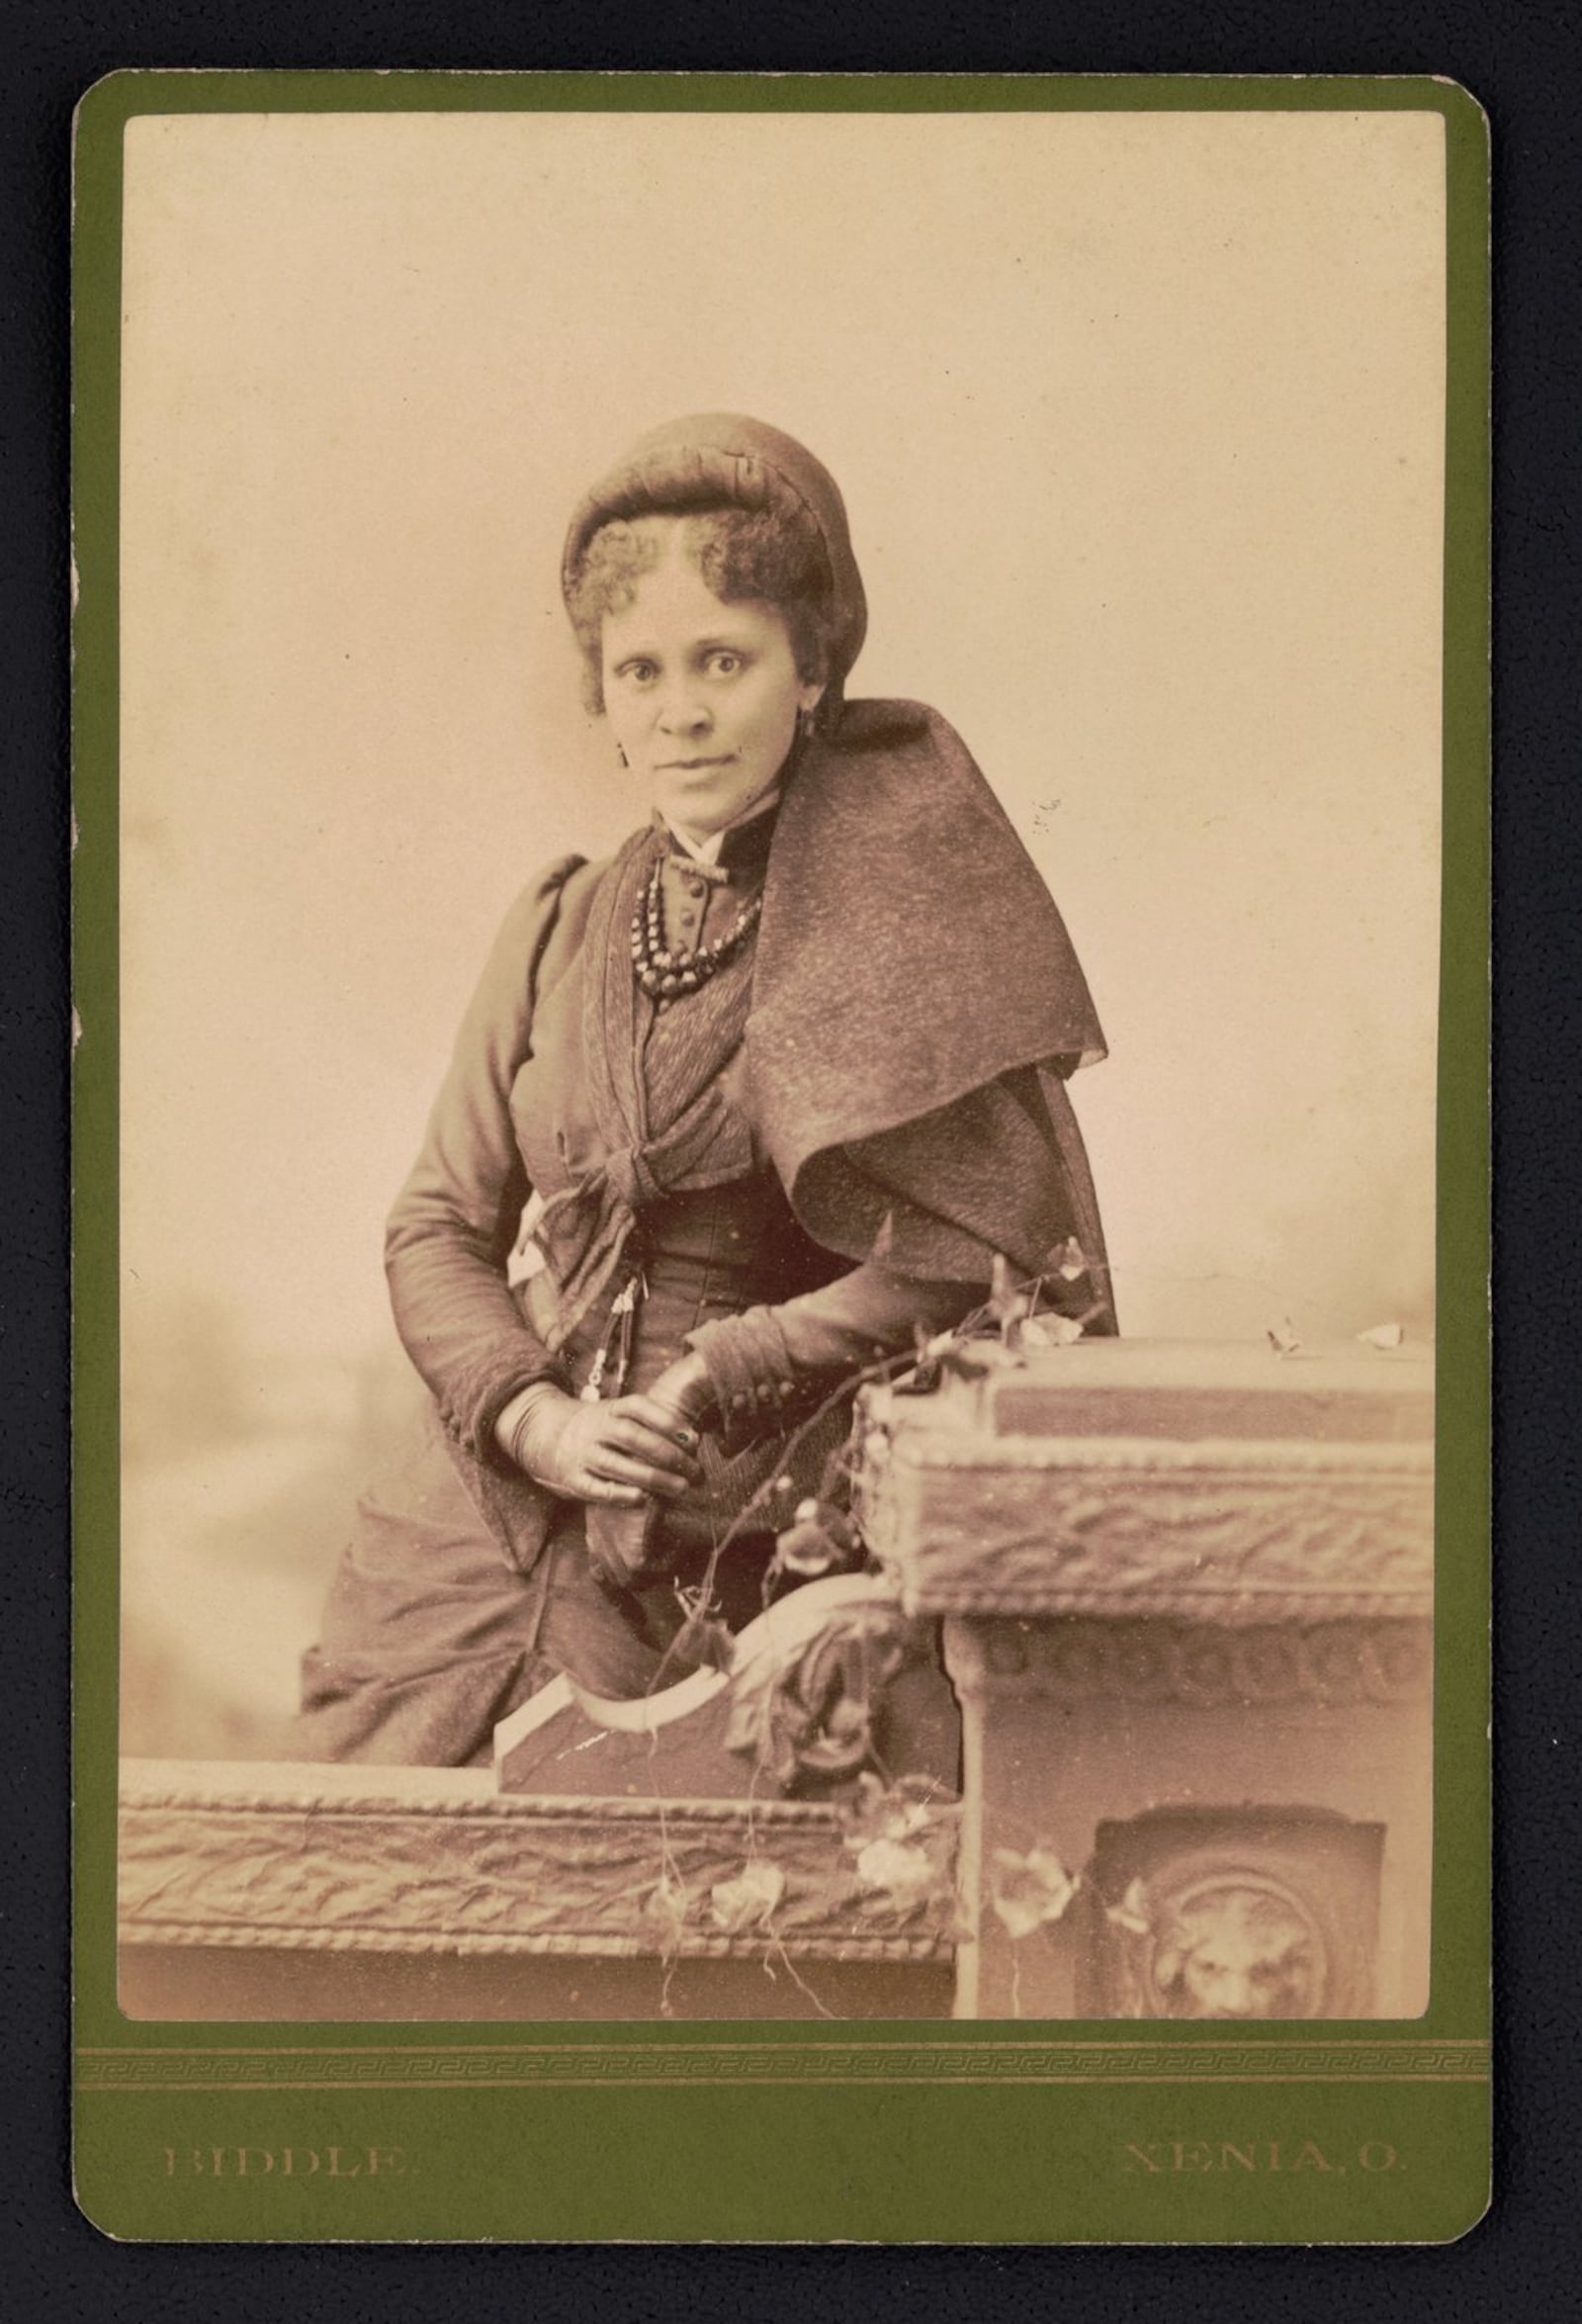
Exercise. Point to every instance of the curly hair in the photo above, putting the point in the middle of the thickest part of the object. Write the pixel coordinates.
(768, 553)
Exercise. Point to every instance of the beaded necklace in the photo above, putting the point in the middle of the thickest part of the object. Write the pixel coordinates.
(667, 971)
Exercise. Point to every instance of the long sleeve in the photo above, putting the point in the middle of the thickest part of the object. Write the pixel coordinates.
(456, 1217)
(767, 1365)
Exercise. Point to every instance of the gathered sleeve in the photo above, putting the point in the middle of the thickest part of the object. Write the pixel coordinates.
(456, 1218)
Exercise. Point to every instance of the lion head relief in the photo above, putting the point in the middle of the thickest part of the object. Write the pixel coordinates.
(1236, 1945)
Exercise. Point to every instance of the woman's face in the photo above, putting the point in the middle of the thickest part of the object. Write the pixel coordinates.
(702, 697)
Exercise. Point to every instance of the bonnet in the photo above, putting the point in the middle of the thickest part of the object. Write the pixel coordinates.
(723, 458)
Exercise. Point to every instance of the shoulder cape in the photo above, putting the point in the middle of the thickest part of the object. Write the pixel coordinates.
(909, 953)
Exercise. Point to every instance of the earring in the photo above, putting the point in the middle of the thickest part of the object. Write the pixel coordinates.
(619, 753)
(805, 725)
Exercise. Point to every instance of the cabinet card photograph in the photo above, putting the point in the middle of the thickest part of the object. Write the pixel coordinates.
(781, 791)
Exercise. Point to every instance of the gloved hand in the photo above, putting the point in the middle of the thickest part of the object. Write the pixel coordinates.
(616, 1454)
(626, 1545)
(686, 1388)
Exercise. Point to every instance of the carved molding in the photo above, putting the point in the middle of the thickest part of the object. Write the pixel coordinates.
(335, 1872)
(950, 1446)
(1216, 1533)
(1076, 1660)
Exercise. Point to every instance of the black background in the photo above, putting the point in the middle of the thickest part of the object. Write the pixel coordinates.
(1520, 62)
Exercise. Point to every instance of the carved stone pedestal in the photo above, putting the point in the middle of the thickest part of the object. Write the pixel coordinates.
(1187, 1595)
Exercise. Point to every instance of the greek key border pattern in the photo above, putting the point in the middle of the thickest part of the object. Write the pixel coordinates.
(638, 2064)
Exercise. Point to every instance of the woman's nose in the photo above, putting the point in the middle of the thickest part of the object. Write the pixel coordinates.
(683, 711)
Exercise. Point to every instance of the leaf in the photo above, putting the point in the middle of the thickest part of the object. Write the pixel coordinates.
(779, 1500)
(1069, 1261)
(1050, 1331)
(1006, 1303)
(1132, 1911)
(903, 1874)
(924, 1377)
(823, 1540)
(704, 1643)
(747, 1901)
(898, 1811)
(805, 1551)
(666, 1909)
(1282, 1337)
(1029, 1890)
(903, 1836)
(907, 1819)
(864, 1815)
(1383, 1335)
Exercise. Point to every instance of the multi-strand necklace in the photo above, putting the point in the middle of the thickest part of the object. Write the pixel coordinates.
(667, 971)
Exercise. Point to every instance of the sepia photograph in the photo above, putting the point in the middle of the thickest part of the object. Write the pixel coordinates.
(779, 903)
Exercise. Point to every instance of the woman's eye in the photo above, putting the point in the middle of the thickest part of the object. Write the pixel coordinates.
(637, 674)
(724, 665)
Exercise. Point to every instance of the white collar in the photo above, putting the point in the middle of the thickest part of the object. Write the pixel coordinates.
(708, 850)
(701, 851)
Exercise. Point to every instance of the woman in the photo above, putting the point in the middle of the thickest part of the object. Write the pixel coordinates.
(733, 1114)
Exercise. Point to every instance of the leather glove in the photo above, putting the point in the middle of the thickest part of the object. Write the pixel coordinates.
(614, 1453)
(625, 1545)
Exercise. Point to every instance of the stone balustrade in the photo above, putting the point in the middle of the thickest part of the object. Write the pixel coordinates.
(257, 1891)
(1183, 1593)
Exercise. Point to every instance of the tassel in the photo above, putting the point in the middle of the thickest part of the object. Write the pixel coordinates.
(618, 1334)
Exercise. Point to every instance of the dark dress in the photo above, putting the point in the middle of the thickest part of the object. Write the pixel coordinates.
(584, 1140)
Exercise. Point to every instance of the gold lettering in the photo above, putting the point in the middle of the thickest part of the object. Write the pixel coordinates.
(1244, 2158)
(1379, 2148)
(1186, 2155)
(1318, 2163)
(307, 2162)
(1143, 2157)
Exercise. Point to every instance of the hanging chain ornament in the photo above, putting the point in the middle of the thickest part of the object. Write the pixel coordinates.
(664, 971)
